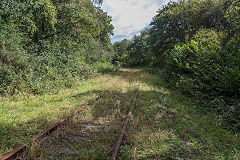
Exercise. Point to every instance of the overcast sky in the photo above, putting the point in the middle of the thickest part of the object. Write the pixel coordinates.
(131, 16)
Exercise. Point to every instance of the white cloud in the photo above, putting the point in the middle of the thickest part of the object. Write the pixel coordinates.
(131, 15)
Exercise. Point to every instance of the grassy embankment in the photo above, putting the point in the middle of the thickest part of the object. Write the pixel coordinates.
(165, 125)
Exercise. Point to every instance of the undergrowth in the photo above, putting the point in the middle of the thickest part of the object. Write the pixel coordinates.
(105, 67)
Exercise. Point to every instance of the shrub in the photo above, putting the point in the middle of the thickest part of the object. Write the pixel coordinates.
(203, 66)
(105, 67)
(13, 62)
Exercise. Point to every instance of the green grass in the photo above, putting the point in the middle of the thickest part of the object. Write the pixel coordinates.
(25, 116)
(169, 125)
(165, 123)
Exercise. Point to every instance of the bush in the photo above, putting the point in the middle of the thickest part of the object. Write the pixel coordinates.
(105, 67)
(203, 66)
(14, 62)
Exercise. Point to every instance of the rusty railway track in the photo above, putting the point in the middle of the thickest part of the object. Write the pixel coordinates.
(13, 155)
(120, 139)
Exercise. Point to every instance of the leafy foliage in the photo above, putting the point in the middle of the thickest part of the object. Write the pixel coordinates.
(121, 52)
(178, 22)
(50, 40)
(135, 52)
(203, 65)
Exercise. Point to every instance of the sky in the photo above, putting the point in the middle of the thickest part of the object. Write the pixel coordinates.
(131, 16)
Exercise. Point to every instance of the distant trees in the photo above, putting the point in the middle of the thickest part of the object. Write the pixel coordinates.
(139, 53)
(121, 51)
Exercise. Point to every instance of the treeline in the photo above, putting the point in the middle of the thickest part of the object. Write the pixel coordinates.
(196, 44)
(45, 44)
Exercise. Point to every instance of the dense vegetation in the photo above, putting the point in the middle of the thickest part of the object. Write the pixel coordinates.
(196, 45)
(45, 44)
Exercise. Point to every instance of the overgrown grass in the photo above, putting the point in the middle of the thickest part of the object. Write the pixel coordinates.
(99, 126)
(22, 117)
(165, 123)
(169, 125)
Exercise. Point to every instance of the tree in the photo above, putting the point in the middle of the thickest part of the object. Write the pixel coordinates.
(121, 51)
(179, 21)
(54, 38)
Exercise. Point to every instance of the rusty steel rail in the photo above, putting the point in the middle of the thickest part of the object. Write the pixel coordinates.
(118, 144)
(16, 152)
